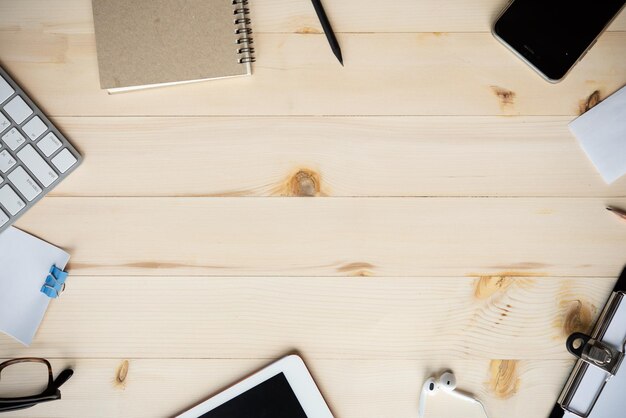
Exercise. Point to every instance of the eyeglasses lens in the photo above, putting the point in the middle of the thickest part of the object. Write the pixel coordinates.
(23, 379)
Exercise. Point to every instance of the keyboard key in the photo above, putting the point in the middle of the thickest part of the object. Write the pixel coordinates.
(5, 90)
(13, 139)
(37, 165)
(64, 160)
(10, 200)
(4, 123)
(24, 183)
(18, 110)
(3, 217)
(6, 161)
(28, 143)
(34, 128)
(49, 144)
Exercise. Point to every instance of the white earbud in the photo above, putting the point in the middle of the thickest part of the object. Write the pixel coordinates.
(446, 383)
(429, 388)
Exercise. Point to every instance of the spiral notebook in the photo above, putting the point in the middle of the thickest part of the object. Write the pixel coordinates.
(152, 43)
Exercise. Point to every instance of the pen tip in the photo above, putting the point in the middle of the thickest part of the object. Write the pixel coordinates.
(338, 55)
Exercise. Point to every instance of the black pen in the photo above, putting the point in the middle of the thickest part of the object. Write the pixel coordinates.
(328, 30)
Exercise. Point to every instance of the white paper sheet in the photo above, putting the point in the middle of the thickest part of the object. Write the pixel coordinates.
(602, 134)
(24, 265)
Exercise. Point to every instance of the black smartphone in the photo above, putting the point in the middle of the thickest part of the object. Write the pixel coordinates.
(552, 35)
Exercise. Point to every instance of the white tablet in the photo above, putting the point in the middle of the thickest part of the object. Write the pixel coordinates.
(284, 389)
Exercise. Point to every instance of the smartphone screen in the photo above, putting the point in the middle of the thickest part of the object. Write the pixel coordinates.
(553, 34)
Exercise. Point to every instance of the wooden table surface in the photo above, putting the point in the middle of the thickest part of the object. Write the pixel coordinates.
(455, 222)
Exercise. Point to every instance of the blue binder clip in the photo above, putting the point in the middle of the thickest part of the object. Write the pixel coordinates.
(55, 283)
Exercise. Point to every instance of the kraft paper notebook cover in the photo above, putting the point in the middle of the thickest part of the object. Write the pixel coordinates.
(150, 43)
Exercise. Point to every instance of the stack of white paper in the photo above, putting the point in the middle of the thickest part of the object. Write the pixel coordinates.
(24, 265)
(602, 134)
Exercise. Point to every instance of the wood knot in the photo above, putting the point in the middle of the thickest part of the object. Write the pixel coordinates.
(578, 317)
(503, 381)
(506, 97)
(486, 286)
(593, 99)
(357, 269)
(121, 374)
(308, 30)
(304, 183)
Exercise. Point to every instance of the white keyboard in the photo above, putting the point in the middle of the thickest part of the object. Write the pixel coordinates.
(34, 155)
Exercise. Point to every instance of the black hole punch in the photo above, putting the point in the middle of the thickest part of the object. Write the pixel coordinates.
(431, 386)
(576, 342)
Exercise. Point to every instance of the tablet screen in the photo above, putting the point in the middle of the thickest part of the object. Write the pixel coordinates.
(273, 398)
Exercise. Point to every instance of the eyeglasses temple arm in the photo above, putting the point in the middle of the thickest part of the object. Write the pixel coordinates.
(63, 377)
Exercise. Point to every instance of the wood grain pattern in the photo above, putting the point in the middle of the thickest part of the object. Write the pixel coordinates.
(354, 388)
(396, 16)
(461, 224)
(298, 75)
(432, 156)
(284, 16)
(326, 237)
(340, 318)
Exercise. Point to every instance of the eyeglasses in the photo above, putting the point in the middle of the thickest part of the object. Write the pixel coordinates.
(25, 382)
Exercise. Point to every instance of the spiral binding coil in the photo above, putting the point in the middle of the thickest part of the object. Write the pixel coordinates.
(242, 21)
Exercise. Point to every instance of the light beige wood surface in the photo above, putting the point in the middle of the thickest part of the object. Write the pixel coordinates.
(296, 74)
(286, 16)
(334, 237)
(488, 317)
(454, 221)
(343, 156)
(354, 388)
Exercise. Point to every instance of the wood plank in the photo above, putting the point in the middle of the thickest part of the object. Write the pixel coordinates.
(502, 317)
(392, 16)
(385, 74)
(368, 156)
(280, 16)
(333, 237)
(364, 389)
